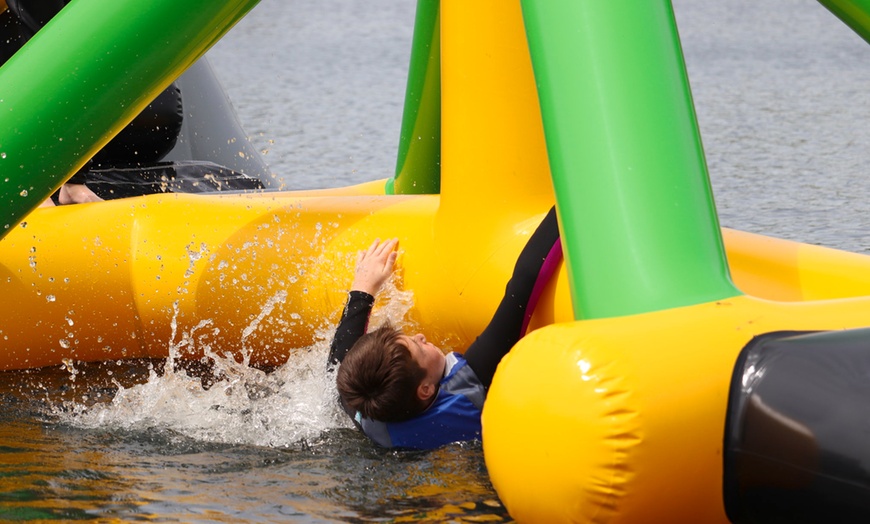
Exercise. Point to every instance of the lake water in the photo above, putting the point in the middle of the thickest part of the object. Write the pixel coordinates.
(781, 93)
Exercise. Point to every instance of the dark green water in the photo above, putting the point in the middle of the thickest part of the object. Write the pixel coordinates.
(52, 468)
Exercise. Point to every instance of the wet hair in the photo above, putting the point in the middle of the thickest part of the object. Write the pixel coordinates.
(379, 377)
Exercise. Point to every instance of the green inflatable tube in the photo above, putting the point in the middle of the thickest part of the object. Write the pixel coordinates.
(84, 76)
(640, 228)
(418, 167)
(854, 13)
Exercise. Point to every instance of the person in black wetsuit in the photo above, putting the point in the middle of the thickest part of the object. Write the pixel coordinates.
(143, 142)
(401, 390)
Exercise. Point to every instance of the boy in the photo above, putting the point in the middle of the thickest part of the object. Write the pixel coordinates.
(401, 390)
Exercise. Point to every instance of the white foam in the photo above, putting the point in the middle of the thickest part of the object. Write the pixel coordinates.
(293, 403)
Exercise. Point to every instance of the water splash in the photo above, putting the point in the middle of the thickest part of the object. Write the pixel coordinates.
(246, 406)
(237, 404)
(278, 298)
(194, 255)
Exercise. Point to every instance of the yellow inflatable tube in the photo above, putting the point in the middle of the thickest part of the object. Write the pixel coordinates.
(787, 271)
(622, 419)
(112, 280)
(104, 281)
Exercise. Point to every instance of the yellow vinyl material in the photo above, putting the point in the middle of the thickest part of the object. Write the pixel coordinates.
(622, 419)
(111, 280)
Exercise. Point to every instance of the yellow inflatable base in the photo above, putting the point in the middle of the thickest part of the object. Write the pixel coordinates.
(258, 276)
(623, 419)
(617, 420)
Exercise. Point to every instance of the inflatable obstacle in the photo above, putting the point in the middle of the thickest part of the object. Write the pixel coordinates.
(633, 400)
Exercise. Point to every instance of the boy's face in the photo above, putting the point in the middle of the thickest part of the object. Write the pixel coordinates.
(427, 356)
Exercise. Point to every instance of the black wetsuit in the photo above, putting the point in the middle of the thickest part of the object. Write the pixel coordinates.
(533, 268)
(144, 141)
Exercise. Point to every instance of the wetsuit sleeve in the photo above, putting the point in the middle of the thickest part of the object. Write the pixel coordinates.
(352, 326)
(534, 265)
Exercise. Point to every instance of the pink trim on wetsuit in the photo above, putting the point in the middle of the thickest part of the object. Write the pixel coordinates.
(547, 269)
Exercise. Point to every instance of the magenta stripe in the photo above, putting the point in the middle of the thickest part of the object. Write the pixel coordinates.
(547, 269)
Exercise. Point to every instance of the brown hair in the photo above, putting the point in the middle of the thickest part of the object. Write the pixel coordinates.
(379, 377)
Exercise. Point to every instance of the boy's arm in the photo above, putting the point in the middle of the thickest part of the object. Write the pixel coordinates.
(373, 268)
(534, 265)
(353, 324)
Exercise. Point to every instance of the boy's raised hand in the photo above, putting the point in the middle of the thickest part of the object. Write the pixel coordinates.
(374, 266)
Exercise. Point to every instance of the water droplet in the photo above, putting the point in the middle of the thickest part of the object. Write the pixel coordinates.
(23, 192)
(3, 155)
(64, 343)
(51, 298)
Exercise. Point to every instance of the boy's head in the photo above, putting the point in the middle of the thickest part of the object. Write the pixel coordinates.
(382, 376)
